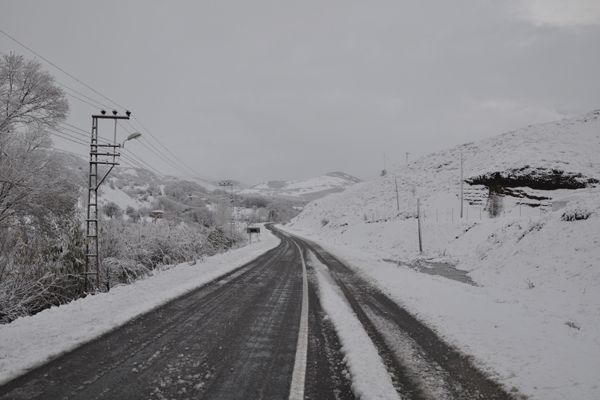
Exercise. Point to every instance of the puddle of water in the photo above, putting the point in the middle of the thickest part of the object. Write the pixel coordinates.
(438, 268)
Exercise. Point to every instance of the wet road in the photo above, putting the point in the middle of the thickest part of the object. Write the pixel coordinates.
(246, 336)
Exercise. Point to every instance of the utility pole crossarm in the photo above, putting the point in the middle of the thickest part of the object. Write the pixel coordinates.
(106, 116)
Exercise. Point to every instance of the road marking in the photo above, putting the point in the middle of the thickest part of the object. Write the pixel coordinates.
(299, 374)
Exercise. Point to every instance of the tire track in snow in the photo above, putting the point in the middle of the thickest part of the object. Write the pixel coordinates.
(369, 374)
(421, 365)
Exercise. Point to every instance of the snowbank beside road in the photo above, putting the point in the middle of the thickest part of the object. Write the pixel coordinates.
(369, 375)
(30, 341)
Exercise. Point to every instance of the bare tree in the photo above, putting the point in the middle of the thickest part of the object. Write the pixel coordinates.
(29, 103)
(28, 95)
(112, 210)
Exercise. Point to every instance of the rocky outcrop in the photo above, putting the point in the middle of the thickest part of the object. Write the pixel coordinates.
(534, 178)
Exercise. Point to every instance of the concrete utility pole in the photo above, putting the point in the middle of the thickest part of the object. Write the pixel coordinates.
(407, 153)
(100, 154)
(229, 183)
(419, 224)
(461, 185)
(397, 199)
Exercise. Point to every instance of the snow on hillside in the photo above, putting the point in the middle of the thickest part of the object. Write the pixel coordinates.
(140, 188)
(569, 146)
(110, 193)
(307, 189)
(519, 291)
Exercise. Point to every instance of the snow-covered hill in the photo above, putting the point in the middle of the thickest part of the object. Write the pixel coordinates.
(515, 282)
(306, 189)
(140, 188)
(518, 166)
(141, 191)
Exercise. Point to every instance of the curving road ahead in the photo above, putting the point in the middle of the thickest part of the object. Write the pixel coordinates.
(257, 333)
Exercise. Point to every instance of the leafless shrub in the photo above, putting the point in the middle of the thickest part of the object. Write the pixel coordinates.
(122, 271)
(573, 325)
(529, 283)
(25, 292)
(536, 226)
(575, 214)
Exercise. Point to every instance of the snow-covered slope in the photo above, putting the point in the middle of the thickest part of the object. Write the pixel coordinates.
(140, 188)
(556, 155)
(516, 282)
(307, 189)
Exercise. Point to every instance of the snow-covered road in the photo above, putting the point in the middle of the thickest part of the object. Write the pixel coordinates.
(294, 323)
(234, 338)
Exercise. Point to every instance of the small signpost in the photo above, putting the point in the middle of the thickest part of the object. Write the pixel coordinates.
(253, 229)
(156, 214)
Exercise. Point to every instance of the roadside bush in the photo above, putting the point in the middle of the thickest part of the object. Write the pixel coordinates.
(152, 244)
(575, 214)
(118, 271)
(38, 271)
(219, 240)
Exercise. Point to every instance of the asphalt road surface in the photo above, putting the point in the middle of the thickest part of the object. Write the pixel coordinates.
(257, 333)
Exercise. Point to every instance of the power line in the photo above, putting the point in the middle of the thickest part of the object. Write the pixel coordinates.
(60, 69)
(82, 133)
(150, 147)
(185, 166)
(130, 164)
(79, 142)
(81, 100)
(76, 127)
(130, 156)
(160, 154)
(167, 149)
(74, 135)
(78, 131)
(98, 104)
(66, 137)
(69, 152)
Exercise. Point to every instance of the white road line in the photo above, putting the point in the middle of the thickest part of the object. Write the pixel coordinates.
(299, 374)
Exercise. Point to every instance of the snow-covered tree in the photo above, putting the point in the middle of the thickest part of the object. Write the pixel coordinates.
(112, 210)
(28, 95)
(30, 102)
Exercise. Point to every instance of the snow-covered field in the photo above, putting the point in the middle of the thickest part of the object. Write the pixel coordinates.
(520, 292)
(30, 341)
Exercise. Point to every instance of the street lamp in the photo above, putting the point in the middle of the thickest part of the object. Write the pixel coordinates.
(134, 135)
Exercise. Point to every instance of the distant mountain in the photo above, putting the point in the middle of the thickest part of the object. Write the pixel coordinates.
(306, 189)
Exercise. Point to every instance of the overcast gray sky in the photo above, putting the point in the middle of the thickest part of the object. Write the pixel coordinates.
(261, 90)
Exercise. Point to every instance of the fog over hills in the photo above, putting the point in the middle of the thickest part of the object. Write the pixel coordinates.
(305, 189)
